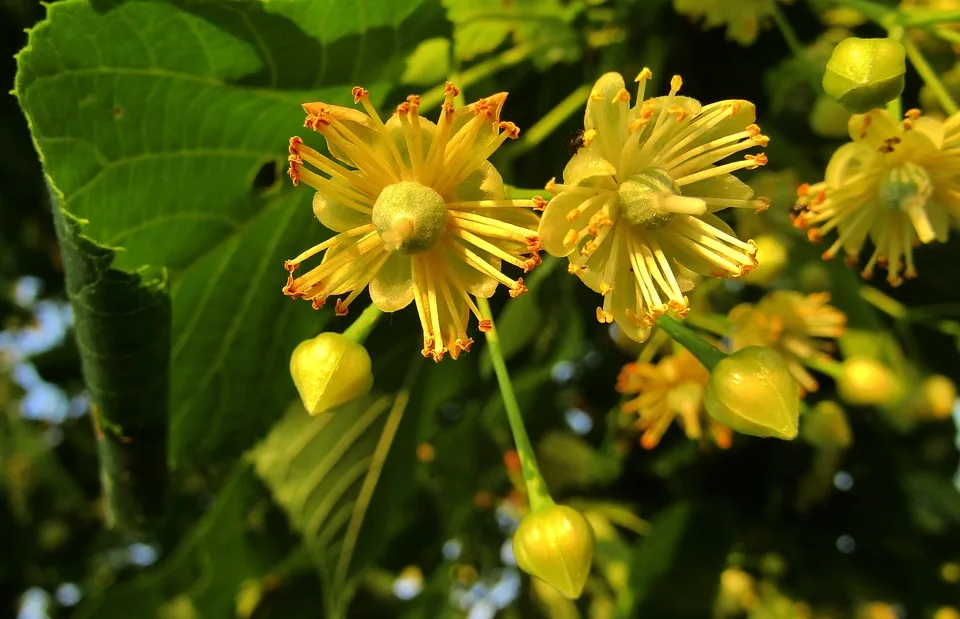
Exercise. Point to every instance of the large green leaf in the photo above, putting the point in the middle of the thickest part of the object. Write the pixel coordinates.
(162, 128)
(324, 471)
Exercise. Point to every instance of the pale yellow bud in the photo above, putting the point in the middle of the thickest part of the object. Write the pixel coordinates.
(771, 258)
(555, 544)
(946, 612)
(752, 392)
(330, 370)
(864, 381)
(938, 396)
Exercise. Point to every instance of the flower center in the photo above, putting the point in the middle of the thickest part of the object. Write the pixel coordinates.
(906, 186)
(409, 217)
(650, 199)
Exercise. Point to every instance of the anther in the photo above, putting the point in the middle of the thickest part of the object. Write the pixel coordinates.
(551, 186)
(678, 111)
(517, 289)
(359, 94)
(756, 160)
(539, 203)
(318, 303)
(645, 74)
(621, 96)
(588, 136)
(604, 317)
(341, 308)
(450, 90)
(570, 238)
(675, 83)
(763, 204)
(513, 131)
(486, 325)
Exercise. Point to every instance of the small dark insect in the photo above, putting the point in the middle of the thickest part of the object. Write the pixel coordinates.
(574, 142)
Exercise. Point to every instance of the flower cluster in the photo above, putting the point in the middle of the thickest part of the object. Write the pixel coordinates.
(895, 184)
(670, 389)
(635, 211)
(419, 212)
(794, 325)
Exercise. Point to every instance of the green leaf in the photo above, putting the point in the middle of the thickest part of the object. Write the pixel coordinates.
(228, 546)
(323, 471)
(162, 129)
(675, 571)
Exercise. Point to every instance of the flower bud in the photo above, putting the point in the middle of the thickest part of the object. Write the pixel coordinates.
(752, 392)
(826, 427)
(938, 396)
(555, 544)
(771, 258)
(329, 370)
(946, 612)
(864, 381)
(865, 74)
(829, 119)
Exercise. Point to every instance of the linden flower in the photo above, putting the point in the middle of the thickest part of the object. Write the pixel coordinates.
(635, 211)
(670, 389)
(894, 184)
(420, 213)
(789, 322)
(741, 17)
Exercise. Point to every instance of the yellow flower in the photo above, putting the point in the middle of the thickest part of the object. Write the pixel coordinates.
(790, 323)
(672, 388)
(741, 17)
(635, 211)
(420, 213)
(894, 184)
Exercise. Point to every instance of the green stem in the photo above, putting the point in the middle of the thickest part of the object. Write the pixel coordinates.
(362, 326)
(703, 350)
(930, 77)
(884, 303)
(824, 365)
(464, 79)
(793, 42)
(895, 106)
(536, 487)
(930, 18)
(950, 36)
(549, 123)
(871, 10)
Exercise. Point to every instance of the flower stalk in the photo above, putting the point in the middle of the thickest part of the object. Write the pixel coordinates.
(362, 326)
(703, 350)
(537, 491)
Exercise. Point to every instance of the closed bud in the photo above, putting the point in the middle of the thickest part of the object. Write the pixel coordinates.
(771, 258)
(555, 544)
(864, 381)
(865, 74)
(946, 612)
(330, 370)
(826, 427)
(829, 119)
(752, 392)
(938, 396)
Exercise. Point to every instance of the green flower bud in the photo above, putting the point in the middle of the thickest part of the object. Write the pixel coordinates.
(752, 392)
(826, 427)
(330, 370)
(828, 118)
(864, 381)
(865, 74)
(555, 544)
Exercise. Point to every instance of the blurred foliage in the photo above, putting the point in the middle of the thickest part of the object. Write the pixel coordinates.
(161, 129)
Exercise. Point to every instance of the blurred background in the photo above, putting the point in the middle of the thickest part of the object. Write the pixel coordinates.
(860, 518)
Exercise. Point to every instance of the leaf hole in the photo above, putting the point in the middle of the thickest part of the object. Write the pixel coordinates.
(267, 177)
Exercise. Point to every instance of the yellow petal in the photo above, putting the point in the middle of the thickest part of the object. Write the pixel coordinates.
(391, 289)
(335, 216)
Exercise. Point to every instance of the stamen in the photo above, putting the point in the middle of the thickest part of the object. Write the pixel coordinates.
(750, 162)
